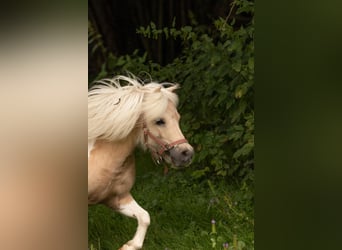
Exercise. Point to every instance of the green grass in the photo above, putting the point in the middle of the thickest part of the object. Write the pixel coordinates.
(181, 211)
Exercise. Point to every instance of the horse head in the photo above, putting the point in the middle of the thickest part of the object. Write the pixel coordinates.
(162, 134)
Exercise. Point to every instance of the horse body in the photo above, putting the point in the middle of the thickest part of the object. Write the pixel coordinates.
(120, 119)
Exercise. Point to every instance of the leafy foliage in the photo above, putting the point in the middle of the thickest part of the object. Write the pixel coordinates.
(95, 40)
(216, 72)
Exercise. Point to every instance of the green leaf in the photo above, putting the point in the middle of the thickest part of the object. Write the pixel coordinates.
(200, 173)
(237, 66)
(174, 22)
(251, 63)
(245, 150)
(166, 32)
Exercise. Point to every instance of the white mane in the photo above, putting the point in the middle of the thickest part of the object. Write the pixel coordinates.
(114, 109)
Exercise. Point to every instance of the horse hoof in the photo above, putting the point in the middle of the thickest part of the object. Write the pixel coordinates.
(127, 247)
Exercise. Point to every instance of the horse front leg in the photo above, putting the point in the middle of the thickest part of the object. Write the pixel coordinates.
(129, 207)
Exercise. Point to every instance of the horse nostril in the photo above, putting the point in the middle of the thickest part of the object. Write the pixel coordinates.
(185, 152)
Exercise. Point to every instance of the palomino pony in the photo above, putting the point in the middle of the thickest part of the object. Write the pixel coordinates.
(121, 117)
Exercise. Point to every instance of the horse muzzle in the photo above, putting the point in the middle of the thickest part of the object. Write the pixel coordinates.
(181, 155)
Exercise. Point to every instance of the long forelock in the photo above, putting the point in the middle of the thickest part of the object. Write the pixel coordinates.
(155, 103)
(114, 109)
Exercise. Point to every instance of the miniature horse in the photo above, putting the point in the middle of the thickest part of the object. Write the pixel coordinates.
(121, 117)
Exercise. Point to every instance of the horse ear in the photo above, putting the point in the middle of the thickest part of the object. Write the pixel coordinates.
(174, 87)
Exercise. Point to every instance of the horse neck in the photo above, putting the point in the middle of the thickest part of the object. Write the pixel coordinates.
(129, 143)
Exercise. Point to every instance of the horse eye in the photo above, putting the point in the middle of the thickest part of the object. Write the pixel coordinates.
(160, 122)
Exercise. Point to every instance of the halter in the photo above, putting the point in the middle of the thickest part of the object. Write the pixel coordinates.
(163, 146)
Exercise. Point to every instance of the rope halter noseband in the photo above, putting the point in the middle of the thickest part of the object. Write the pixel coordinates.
(162, 146)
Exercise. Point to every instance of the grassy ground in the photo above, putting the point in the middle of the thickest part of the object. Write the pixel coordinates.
(181, 211)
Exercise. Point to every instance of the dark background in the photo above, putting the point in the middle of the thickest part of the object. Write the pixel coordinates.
(117, 22)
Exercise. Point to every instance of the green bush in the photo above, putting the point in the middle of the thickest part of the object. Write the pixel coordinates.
(216, 72)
